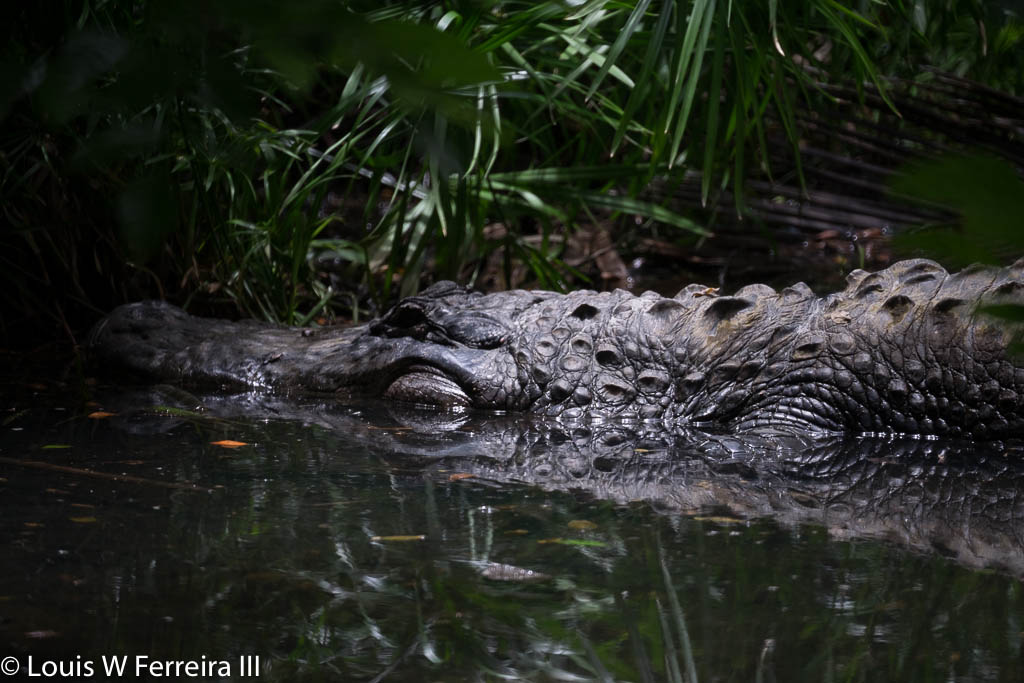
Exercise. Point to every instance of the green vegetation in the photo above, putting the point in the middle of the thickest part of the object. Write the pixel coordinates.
(295, 161)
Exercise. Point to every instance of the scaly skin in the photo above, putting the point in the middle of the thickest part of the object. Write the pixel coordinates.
(903, 350)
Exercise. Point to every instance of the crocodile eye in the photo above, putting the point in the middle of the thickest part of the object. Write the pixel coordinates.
(428, 389)
(406, 315)
(475, 330)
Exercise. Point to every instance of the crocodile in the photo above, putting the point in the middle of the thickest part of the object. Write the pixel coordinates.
(910, 350)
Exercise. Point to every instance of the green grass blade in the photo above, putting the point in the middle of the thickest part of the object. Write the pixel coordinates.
(643, 83)
(632, 24)
(684, 57)
(690, 89)
(714, 98)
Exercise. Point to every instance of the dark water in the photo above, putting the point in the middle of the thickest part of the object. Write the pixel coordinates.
(334, 546)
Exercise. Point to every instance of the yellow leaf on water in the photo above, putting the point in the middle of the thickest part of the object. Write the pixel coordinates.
(228, 443)
(83, 520)
(100, 414)
(517, 532)
(411, 537)
(582, 525)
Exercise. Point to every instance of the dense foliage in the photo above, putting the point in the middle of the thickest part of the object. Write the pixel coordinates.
(288, 160)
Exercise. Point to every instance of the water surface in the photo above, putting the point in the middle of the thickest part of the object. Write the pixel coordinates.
(341, 543)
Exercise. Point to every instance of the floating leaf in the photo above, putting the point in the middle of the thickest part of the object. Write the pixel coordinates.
(100, 415)
(582, 525)
(228, 443)
(83, 520)
(53, 446)
(517, 532)
(458, 476)
(574, 541)
(399, 539)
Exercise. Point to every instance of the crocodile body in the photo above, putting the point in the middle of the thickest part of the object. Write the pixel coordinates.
(903, 350)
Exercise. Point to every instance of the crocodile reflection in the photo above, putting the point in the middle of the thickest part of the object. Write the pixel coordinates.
(960, 499)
